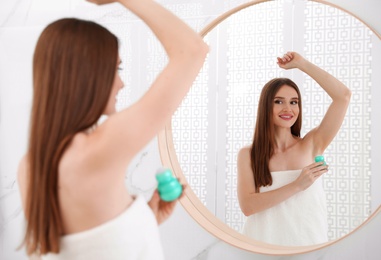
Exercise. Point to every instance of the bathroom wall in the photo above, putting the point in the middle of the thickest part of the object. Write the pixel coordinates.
(20, 24)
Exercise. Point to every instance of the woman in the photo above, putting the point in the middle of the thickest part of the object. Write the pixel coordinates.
(72, 177)
(279, 184)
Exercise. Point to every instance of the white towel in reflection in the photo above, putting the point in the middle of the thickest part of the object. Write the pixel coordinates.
(133, 234)
(298, 221)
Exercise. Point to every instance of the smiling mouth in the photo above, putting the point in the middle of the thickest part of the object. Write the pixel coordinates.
(286, 117)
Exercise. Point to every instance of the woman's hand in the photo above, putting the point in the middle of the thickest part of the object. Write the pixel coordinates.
(310, 174)
(290, 60)
(162, 209)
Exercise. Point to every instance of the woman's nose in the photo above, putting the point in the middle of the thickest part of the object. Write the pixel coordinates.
(286, 107)
(121, 83)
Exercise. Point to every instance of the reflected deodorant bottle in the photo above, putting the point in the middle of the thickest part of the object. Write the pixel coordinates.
(320, 158)
(168, 186)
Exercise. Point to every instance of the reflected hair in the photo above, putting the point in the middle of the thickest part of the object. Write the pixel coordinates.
(264, 140)
(74, 66)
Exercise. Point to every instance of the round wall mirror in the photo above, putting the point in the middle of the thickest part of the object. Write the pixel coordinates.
(218, 116)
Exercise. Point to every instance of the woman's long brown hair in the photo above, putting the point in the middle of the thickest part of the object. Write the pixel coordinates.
(263, 142)
(74, 66)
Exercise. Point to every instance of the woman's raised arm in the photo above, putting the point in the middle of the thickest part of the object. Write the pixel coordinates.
(324, 133)
(126, 132)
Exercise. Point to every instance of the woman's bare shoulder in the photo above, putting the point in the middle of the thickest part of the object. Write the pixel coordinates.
(244, 153)
(245, 149)
(85, 156)
(77, 145)
(77, 155)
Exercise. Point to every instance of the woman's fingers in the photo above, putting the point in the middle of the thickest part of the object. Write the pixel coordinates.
(318, 170)
(314, 165)
(286, 57)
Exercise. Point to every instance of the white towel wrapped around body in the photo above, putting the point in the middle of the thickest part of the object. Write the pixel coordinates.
(133, 234)
(298, 221)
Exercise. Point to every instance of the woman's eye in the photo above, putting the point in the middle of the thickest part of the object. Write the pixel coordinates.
(294, 102)
(278, 101)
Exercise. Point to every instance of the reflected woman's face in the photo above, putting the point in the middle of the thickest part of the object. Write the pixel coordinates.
(285, 107)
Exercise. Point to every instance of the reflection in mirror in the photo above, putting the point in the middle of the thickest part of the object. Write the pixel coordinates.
(218, 117)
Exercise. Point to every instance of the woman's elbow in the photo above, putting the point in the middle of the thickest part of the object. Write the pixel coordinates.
(246, 210)
(204, 47)
(246, 213)
(347, 95)
(200, 50)
(197, 47)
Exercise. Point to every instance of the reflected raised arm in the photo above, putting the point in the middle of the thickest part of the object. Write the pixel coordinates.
(324, 133)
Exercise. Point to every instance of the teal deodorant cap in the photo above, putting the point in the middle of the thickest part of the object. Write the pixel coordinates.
(168, 186)
(320, 158)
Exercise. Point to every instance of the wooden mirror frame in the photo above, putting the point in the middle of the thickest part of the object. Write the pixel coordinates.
(200, 213)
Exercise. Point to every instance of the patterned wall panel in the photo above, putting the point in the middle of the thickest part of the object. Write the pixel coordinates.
(342, 45)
